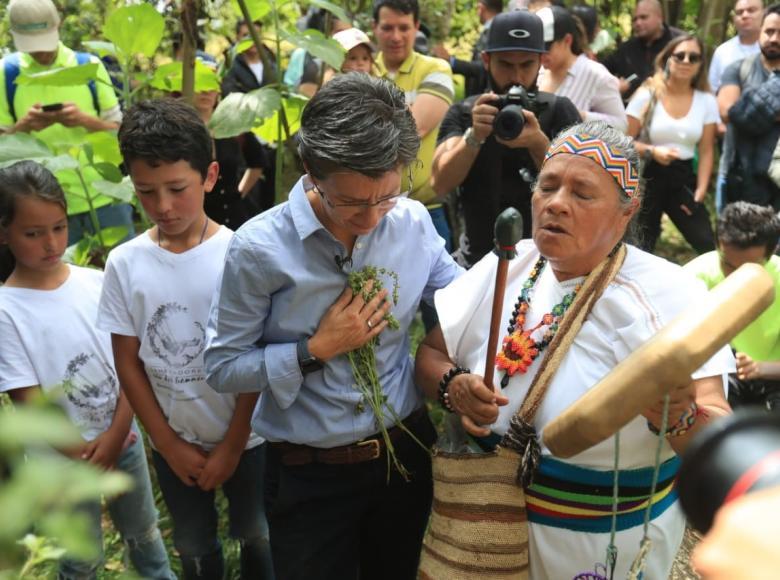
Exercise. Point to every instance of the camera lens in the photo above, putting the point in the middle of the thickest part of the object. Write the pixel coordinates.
(509, 122)
(733, 456)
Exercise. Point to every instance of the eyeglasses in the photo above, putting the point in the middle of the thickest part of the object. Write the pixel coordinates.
(693, 57)
(383, 203)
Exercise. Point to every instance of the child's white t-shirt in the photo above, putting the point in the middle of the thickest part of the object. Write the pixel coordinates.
(683, 133)
(164, 298)
(49, 338)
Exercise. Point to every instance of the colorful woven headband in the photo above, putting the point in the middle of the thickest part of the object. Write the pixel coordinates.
(608, 157)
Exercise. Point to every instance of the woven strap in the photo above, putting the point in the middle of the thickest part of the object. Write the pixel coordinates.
(592, 288)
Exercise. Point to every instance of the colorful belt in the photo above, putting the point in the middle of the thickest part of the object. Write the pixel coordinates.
(575, 498)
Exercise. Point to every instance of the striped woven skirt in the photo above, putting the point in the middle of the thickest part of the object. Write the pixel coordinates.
(580, 499)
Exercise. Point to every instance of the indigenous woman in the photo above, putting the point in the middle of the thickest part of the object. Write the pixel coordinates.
(672, 115)
(586, 196)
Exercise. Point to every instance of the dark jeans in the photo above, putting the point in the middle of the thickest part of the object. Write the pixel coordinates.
(668, 187)
(115, 214)
(194, 516)
(347, 522)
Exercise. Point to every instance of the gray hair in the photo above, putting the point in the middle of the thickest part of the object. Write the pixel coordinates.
(624, 145)
(357, 123)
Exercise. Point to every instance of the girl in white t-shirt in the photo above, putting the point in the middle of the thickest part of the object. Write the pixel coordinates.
(679, 116)
(48, 341)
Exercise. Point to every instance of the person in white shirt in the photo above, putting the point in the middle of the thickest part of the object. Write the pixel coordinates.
(48, 341)
(155, 303)
(747, 21)
(676, 114)
(568, 72)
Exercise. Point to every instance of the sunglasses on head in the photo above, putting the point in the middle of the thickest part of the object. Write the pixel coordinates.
(692, 57)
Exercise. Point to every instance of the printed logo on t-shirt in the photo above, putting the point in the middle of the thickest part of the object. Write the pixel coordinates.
(174, 337)
(91, 387)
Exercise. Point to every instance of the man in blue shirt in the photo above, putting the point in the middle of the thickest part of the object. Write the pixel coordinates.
(285, 318)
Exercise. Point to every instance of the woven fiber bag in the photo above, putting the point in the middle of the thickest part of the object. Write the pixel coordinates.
(479, 525)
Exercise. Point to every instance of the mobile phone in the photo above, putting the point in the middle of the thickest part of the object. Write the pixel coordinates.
(52, 107)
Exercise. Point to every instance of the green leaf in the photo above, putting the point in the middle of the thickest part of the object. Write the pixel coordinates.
(58, 163)
(109, 171)
(168, 77)
(239, 112)
(337, 11)
(123, 191)
(34, 425)
(72, 531)
(113, 235)
(100, 47)
(136, 29)
(244, 45)
(61, 77)
(258, 9)
(79, 254)
(316, 43)
(105, 146)
(20, 146)
(293, 109)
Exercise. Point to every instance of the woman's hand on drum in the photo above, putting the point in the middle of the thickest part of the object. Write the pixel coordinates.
(680, 400)
(476, 403)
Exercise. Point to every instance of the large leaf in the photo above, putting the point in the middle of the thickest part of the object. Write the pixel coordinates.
(61, 77)
(123, 191)
(113, 235)
(136, 29)
(337, 11)
(100, 47)
(240, 112)
(105, 146)
(168, 77)
(20, 146)
(32, 425)
(293, 109)
(316, 43)
(258, 9)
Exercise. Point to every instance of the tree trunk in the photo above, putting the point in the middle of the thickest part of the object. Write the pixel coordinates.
(713, 22)
(189, 37)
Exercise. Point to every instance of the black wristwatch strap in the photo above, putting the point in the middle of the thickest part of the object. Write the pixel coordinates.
(306, 360)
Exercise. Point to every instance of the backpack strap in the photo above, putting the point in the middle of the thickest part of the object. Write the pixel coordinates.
(86, 58)
(744, 69)
(11, 69)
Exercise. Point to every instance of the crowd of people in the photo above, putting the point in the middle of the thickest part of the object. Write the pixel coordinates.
(229, 328)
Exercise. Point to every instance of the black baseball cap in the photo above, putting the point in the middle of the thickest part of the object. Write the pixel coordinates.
(557, 22)
(516, 30)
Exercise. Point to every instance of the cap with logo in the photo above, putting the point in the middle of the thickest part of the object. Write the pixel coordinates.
(34, 25)
(352, 37)
(557, 23)
(518, 30)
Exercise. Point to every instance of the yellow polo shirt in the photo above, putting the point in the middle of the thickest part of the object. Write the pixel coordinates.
(57, 135)
(417, 75)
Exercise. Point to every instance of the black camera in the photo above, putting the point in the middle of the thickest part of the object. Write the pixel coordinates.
(509, 121)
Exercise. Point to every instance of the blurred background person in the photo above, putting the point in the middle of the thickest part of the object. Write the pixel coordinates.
(670, 116)
(747, 21)
(568, 72)
(599, 40)
(634, 59)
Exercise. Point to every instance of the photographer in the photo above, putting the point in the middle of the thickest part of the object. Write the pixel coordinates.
(491, 172)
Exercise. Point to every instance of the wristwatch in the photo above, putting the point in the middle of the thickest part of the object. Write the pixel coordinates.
(470, 140)
(307, 361)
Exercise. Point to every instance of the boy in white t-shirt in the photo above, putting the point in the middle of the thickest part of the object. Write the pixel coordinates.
(48, 341)
(155, 303)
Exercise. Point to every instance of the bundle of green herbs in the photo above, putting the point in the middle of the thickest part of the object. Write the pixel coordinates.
(363, 362)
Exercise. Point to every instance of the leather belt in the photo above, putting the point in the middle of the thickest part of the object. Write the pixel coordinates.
(367, 449)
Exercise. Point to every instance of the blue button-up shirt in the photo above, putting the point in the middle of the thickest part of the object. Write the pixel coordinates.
(280, 277)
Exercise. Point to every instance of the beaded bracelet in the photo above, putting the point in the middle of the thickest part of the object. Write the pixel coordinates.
(682, 426)
(444, 396)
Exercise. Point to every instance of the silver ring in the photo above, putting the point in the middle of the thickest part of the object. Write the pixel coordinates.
(370, 326)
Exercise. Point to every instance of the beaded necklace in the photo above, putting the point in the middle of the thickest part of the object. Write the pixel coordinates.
(519, 350)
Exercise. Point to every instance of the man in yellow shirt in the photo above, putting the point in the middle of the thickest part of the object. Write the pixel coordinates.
(57, 115)
(427, 84)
